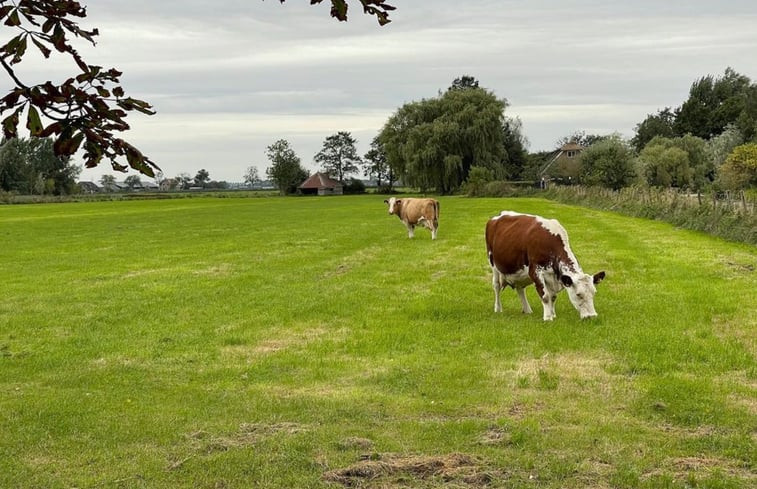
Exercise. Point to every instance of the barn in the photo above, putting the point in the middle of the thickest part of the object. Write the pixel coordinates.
(321, 184)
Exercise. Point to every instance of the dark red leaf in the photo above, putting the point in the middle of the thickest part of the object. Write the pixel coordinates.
(67, 144)
(59, 38)
(42, 48)
(11, 99)
(54, 128)
(10, 125)
(13, 19)
(5, 9)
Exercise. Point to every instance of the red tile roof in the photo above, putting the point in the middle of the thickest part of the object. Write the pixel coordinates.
(319, 180)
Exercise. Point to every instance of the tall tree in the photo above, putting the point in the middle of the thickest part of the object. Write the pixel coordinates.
(659, 124)
(133, 181)
(30, 166)
(89, 108)
(108, 182)
(285, 170)
(202, 177)
(464, 82)
(516, 144)
(339, 157)
(376, 166)
(251, 176)
(432, 144)
(713, 103)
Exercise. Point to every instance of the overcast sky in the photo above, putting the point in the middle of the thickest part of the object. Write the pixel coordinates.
(230, 77)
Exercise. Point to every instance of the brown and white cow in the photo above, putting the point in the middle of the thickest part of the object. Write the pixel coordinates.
(525, 249)
(416, 212)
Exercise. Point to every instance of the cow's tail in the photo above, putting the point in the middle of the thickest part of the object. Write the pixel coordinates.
(436, 214)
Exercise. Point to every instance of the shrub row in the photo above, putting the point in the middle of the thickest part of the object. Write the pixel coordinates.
(729, 216)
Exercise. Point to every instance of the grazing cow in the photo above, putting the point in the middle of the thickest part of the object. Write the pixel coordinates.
(525, 249)
(416, 212)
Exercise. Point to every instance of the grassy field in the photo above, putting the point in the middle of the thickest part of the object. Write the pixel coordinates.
(306, 342)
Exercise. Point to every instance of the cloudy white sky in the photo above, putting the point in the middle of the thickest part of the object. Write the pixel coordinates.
(230, 77)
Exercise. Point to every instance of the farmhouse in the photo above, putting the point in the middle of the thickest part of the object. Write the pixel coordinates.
(89, 187)
(321, 184)
(563, 164)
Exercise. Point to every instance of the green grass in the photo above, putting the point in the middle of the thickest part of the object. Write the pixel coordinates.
(274, 342)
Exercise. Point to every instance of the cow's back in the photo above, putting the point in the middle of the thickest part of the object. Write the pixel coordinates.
(414, 209)
(515, 241)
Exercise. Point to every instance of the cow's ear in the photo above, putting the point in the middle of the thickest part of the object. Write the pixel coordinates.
(398, 201)
(598, 277)
(386, 201)
(566, 280)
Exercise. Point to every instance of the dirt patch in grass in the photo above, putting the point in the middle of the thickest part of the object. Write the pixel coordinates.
(742, 329)
(702, 467)
(393, 470)
(355, 443)
(495, 436)
(248, 434)
(564, 372)
(569, 365)
(272, 345)
(357, 259)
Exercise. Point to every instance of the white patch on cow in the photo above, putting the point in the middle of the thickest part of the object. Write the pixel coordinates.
(511, 214)
(497, 284)
(392, 202)
(519, 278)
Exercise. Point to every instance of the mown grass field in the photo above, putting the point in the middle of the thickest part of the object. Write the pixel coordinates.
(306, 342)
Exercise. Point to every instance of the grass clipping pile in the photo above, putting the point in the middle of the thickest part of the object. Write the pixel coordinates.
(392, 470)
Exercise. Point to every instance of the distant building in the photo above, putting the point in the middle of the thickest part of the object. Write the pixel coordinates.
(563, 164)
(89, 187)
(321, 184)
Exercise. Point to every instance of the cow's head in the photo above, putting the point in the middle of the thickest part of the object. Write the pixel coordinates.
(394, 205)
(581, 289)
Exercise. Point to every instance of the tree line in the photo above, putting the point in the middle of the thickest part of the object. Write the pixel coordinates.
(709, 141)
(462, 138)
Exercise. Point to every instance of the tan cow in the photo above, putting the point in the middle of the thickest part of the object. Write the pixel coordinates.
(416, 212)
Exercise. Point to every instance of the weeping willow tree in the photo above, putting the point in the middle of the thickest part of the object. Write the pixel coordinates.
(433, 144)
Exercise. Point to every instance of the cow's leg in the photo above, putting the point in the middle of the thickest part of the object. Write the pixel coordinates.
(551, 306)
(497, 286)
(547, 299)
(410, 230)
(524, 301)
(431, 225)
